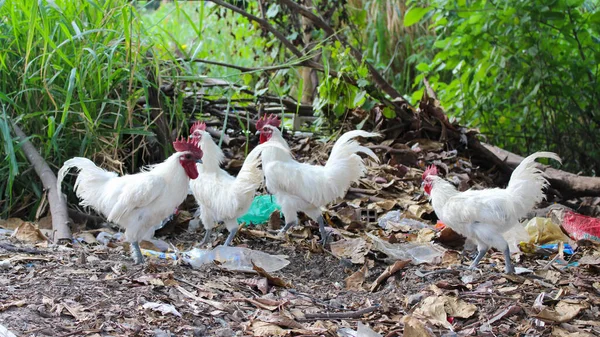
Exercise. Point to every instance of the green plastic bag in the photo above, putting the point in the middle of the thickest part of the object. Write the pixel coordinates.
(260, 210)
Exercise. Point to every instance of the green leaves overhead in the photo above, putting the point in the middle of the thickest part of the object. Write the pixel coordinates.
(525, 73)
(414, 15)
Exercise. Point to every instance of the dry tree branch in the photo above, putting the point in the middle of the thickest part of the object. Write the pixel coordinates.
(58, 207)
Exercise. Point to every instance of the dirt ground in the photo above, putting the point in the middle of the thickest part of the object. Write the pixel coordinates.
(95, 290)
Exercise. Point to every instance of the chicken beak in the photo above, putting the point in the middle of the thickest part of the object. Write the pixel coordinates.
(257, 133)
(423, 184)
(199, 161)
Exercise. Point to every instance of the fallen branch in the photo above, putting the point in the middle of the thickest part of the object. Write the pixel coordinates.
(569, 185)
(58, 207)
(242, 68)
(340, 315)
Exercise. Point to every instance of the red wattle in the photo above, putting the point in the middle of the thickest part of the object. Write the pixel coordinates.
(190, 169)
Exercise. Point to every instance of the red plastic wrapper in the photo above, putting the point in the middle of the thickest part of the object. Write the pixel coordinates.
(579, 227)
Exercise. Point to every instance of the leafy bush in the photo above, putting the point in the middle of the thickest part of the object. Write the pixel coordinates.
(524, 72)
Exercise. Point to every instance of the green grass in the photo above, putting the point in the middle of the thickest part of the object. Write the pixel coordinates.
(72, 72)
(69, 76)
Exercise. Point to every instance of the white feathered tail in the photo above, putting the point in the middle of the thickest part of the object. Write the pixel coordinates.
(527, 183)
(344, 165)
(89, 182)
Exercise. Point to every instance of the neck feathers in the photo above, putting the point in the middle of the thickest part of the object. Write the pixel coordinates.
(213, 155)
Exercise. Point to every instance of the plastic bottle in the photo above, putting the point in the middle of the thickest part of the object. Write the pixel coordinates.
(397, 219)
(235, 258)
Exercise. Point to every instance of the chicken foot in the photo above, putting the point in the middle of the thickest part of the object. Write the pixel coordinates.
(136, 252)
(230, 237)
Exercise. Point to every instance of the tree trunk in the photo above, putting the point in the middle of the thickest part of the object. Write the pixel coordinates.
(58, 207)
(569, 185)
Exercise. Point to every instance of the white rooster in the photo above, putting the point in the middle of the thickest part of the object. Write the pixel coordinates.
(484, 215)
(307, 188)
(136, 202)
(222, 197)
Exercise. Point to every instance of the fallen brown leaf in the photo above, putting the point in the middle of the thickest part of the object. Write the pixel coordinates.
(356, 280)
(354, 249)
(414, 327)
(260, 329)
(276, 281)
(29, 233)
(274, 220)
(564, 311)
(11, 223)
(281, 321)
(437, 309)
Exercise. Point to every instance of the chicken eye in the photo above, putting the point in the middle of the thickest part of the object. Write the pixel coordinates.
(188, 156)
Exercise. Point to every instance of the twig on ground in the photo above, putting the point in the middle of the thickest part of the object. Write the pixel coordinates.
(340, 315)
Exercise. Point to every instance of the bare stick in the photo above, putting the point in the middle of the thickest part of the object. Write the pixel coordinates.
(58, 207)
(341, 315)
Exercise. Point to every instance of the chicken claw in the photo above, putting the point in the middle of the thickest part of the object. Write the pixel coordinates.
(136, 253)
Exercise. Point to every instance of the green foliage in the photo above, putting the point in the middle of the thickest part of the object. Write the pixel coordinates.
(70, 75)
(524, 73)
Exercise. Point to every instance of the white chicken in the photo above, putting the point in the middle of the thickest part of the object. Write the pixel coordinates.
(222, 197)
(307, 188)
(136, 202)
(484, 215)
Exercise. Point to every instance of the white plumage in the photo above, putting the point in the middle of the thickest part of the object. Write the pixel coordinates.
(484, 215)
(222, 197)
(307, 188)
(136, 202)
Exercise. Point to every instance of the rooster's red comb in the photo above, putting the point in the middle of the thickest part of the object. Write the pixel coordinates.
(268, 120)
(431, 170)
(198, 126)
(191, 145)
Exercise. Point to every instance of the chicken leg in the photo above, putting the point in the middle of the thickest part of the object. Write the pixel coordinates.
(481, 249)
(287, 226)
(206, 238)
(324, 235)
(508, 267)
(136, 253)
(230, 236)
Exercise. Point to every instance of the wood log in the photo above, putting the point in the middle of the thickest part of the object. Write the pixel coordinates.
(58, 207)
(569, 185)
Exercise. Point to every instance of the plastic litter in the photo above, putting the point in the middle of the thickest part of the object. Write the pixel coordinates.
(365, 331)
(397, 221)
(418, 253)
(261, 208)
(578, 226)
(362, 331)
(551, 248)
(544, 230)
(160, 255)
(5, 232)
(235, 259)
